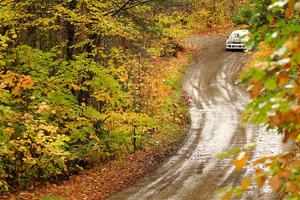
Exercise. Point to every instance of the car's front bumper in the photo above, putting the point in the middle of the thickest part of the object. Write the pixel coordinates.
(236, 46)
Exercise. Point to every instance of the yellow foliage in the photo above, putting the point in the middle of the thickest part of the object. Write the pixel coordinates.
(240, 161)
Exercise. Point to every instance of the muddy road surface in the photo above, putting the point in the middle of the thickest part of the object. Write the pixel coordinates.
(194, 172)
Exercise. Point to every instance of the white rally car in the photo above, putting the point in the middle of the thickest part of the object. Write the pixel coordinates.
(238, 40)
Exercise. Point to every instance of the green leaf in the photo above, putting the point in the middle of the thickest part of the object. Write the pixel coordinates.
(222, 190)
(271, 85)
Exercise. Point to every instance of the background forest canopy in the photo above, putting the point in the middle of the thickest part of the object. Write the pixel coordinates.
(78, 84)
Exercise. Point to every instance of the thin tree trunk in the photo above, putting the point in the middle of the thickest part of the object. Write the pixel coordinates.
(70, 33)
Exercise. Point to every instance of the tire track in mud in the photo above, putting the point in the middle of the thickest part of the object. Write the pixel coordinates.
(194, 173)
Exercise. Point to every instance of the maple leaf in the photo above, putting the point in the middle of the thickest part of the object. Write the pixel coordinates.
(290, 9)
(275, 120)
(256, 89)
(283, 78)
(292, 187)
(227, 196)
(275, 182)
(245, 183)
(240, 161)
(284, 174)
(260, 177)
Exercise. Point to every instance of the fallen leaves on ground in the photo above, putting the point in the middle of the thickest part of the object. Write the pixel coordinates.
(98, 182)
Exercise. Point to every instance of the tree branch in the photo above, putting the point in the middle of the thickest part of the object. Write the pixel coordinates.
(126, 6)
(119, 9)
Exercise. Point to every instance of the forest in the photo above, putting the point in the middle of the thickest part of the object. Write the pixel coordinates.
(78, 83)
(81, 83)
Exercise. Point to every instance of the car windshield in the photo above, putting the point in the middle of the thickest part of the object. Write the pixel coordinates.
(239, 35)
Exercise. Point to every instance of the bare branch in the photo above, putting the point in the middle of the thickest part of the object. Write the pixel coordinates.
(126, 6)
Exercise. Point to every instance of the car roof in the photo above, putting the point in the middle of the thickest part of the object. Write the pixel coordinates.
(241, 31)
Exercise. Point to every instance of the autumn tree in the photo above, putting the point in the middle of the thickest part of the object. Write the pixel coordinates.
(274, 87)
(76, 85)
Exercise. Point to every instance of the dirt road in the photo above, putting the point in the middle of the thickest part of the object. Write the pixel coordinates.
(194, 173)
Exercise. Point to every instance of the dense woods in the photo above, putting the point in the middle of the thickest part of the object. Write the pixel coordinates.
(78, 83)
(83, 82)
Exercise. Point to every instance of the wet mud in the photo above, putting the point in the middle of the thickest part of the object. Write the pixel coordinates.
(217, 100)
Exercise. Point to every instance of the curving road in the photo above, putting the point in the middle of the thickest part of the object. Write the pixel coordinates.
(216, 104)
